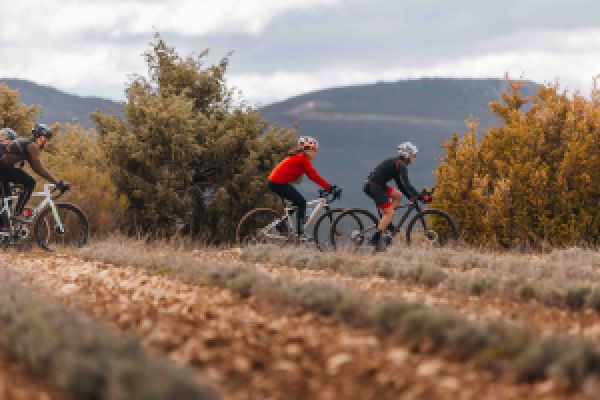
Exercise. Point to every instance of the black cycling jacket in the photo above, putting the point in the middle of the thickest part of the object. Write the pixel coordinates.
(393, 168)
(26, 149)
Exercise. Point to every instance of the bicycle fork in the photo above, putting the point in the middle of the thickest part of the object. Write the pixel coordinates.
(59, 225)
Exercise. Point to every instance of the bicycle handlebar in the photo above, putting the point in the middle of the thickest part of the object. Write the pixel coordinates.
(330, 196)
(59, 195)
(427, 198)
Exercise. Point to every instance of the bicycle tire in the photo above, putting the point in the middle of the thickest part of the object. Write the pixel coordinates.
(355, 237)
(331, 214)
(70, 213)
(447, 234)
(246, 231)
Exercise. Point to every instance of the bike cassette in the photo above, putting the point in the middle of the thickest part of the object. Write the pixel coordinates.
(431, 235)
(357, 237)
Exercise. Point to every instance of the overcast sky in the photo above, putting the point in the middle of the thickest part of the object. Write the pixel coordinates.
(286, 47)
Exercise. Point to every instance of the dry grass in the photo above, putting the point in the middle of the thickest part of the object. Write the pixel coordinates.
(563, 278)
(496, 345)
(80, 356)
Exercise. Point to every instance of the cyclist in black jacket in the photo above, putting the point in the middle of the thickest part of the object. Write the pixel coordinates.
(387, 198)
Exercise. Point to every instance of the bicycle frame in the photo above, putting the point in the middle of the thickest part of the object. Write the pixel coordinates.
(409, 208)
(46, 202)
(319, 204)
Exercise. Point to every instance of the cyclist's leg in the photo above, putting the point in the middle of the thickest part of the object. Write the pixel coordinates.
(395, 197)
(17, 175)
(288, 192)
(4, 192)
(381, 197)
(6, 175)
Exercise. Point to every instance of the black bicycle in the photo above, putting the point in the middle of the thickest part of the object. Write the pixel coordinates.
(266, 225)
(353, 229)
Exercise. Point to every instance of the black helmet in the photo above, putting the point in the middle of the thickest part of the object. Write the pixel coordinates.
(41, 130)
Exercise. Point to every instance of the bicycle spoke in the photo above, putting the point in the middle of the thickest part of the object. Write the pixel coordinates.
(353, 230)
(432, 228)
(259, 226)
(70, 229)
(322, 228)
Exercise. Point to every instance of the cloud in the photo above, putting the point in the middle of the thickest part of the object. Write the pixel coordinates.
(118, 18)
(286, 47)
(572, 58)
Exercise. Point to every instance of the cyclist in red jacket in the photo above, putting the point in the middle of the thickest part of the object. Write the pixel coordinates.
(296, 164)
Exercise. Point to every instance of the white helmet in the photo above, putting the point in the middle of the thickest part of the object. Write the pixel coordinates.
(407, 149)
(8, 133)
(308, 143)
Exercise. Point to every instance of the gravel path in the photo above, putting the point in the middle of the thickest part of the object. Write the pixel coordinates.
(254, 350)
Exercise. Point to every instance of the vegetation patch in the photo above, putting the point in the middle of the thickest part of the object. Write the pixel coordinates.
(80, 356)
(566, 279)
(496, 345)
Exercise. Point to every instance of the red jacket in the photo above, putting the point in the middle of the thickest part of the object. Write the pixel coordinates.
(293, 167)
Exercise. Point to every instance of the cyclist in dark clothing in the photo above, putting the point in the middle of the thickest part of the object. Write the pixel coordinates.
(387, 198)
(25, 149)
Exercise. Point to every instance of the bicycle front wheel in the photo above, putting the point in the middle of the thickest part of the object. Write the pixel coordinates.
(262, 225)
(431, 228)
(67, 228)
(352, 230)
(322, 228)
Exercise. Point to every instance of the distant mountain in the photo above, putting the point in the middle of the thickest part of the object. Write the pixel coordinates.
(58, 106)
(357, 126)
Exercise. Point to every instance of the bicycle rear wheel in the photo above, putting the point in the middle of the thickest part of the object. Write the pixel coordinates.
(69, 230)
(352, 231)
(258, 226)
(431, 228)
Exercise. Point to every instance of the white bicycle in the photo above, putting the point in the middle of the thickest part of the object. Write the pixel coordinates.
(266, 225)
(55, 225)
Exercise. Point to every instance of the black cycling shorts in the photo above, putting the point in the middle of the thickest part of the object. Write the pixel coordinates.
(380, 194)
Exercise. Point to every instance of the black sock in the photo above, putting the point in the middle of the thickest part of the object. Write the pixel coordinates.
(300, 227)
(377, 235)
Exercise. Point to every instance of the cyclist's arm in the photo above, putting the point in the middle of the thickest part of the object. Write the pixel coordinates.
(36, 164)
(313, 175)
(403, 183)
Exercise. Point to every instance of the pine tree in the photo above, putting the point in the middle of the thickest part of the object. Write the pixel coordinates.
(186, 151)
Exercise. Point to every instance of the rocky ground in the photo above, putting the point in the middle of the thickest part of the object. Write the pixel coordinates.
(17, 384)
(250, 349)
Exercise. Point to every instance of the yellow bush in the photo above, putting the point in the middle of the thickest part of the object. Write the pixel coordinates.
(533, 180)
(76, 157)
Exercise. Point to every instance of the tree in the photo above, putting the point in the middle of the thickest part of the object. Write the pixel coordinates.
(14, 114)
(186, 151)
(532, 180)
(75, 156)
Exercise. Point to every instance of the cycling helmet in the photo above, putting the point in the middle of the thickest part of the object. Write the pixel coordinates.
(8, 133)
(41, 130)
(308, 143)
(407, 149)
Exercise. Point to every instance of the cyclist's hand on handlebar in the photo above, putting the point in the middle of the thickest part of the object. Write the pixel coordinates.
(62, 186)
(335, 191)
(424, 197)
